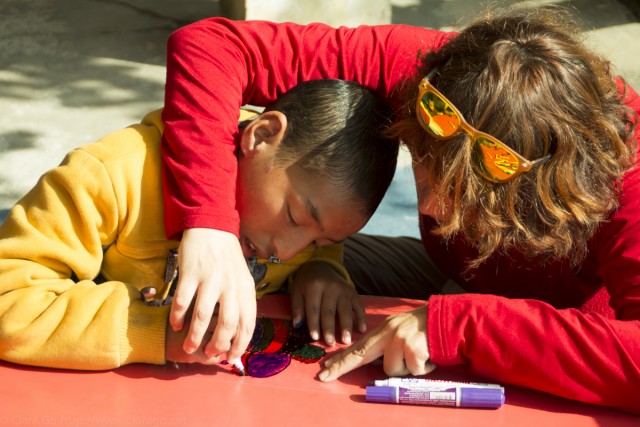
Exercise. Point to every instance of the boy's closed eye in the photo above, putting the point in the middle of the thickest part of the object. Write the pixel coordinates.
(290, 218)
(302, 211)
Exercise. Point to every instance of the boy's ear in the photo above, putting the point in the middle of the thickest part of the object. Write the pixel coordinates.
(268, 128)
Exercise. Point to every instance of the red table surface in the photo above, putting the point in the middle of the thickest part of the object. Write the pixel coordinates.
(194, 395)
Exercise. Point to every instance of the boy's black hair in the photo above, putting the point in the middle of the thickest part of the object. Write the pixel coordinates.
(335, 129)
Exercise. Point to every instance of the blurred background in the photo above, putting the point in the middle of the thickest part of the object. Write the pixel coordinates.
(72, 71)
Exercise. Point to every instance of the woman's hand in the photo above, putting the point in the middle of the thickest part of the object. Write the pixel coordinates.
(174, 342)
(320, 294)
(213, 269)
(401, 339)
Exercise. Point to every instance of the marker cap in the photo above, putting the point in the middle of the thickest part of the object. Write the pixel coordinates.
(381, 394)
(481, 397)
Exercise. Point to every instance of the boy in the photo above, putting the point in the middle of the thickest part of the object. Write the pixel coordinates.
(78, 249)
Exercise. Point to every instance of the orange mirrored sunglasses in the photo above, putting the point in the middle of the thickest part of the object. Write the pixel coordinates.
(492, 159)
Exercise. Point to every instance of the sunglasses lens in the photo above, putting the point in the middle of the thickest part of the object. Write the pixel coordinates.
(493, 160)
(437, 116)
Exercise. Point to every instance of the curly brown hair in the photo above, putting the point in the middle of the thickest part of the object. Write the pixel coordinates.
(525, 78)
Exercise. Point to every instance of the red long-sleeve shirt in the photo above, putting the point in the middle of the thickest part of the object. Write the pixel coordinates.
(547, 327)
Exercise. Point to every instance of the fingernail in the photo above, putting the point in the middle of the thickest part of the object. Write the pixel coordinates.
(189, 349)
(322, 376)
(330, 340)
(315, 336)
(346, 338)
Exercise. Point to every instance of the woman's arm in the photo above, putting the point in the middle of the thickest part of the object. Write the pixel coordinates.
(529, 343)
(213, 67)
(216, 65)
(578, 354)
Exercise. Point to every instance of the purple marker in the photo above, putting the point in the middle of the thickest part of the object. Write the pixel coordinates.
(458, 396)
(427, 383)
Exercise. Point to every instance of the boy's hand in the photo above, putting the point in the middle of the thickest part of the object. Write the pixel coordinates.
(213, 269)
(322, 293)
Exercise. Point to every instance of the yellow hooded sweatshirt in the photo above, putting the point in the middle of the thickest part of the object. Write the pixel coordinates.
(100, 213)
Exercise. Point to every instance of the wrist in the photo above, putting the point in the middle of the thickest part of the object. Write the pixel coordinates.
(330, 265)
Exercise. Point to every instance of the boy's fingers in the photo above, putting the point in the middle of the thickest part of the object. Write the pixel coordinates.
(297, 307)
(360, 314)
(328, 317)
(345, 314)
(313, 303)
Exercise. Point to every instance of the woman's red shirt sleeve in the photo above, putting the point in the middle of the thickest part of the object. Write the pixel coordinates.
(216, 65)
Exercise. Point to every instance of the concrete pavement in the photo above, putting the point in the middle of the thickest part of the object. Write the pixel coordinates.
(71, 71)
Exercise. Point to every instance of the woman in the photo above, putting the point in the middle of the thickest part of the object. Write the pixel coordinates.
(524, 152)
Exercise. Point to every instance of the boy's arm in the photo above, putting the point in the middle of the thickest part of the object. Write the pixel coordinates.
(52, 312)
(333, 255)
